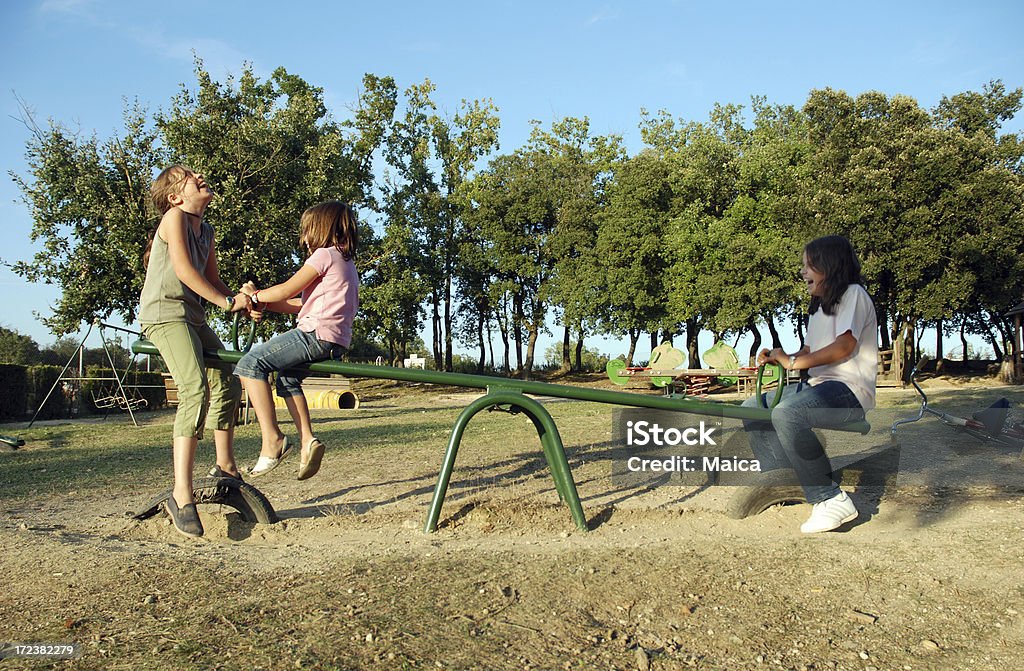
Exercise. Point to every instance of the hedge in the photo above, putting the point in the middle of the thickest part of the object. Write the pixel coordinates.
(24, 388)
(14, 383)
(40, 381)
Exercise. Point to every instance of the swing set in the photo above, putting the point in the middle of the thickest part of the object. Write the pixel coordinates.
(114, 394)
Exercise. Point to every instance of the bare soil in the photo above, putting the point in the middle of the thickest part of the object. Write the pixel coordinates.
(929, 576)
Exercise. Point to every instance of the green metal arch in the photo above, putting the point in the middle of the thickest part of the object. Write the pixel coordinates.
(551, 442)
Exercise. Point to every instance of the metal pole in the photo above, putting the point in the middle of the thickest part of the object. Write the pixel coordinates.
(124, 396)
(59, 377)
(625, 398)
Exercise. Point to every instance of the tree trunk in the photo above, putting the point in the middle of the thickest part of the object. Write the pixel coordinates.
(506, 360)
(907, 355)
(963, 339)
(579, 354)
(482, 361)
(883, 327)
(566, 347)
(634, 336)
(756, 345)
(517, 329)
(692, 332)
(939, 355)
(436, 325)
(774, 332)
(448, 323)
(995, 344)
(531, 344)
(654, 340)
(490, 342)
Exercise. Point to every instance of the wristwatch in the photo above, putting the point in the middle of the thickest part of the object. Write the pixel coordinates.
(792, 361)
(230, 300)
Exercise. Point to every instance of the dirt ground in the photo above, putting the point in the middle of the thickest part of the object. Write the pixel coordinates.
(929, 576)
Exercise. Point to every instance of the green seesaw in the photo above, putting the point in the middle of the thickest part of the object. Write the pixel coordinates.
(510, 395)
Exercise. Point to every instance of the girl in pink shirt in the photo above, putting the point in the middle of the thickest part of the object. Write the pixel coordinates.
(325, 294)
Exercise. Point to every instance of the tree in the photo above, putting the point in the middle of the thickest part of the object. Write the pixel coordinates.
(16, 348)
(514, 208)
(703, 162)
(88, 201)
(579, 169)
(434, 158)
(269, 149)
(394, 292)
(631, 250)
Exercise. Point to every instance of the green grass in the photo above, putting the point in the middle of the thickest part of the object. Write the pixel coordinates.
(114, 454)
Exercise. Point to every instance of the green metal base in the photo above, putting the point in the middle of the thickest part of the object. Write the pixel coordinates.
(550, 441)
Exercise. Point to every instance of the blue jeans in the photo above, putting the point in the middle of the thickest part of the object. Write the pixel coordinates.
(285, 351)
(789, 440)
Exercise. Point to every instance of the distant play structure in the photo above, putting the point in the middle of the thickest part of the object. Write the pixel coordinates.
(116, 393)
(667, 368)
(509, 395)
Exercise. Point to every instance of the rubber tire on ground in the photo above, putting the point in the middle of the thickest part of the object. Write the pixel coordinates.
(773, 488)
(250, 502)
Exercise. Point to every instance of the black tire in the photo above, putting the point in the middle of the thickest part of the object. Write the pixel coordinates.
(250, 502)
(773, 488)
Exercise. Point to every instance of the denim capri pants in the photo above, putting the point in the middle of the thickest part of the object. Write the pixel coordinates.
(285, 351)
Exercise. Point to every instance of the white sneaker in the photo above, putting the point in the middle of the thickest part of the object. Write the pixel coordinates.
(830, 514)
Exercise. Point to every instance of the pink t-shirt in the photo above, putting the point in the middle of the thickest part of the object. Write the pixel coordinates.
(330, 302)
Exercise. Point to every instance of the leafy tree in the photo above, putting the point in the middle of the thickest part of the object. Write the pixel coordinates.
(631, 249)
(580, 167)
(754, 276)
(930, 202)
(434, 157)
(88, 200)
(514, 209)
(703, 164)
(270, 150)
(17, 348)
(394, 292)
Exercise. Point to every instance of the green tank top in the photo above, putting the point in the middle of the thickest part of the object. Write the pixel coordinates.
(164, 297)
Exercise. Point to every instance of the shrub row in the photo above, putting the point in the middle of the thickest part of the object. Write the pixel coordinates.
(23, 388)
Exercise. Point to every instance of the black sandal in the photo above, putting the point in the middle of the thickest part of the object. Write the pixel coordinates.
(218, 472)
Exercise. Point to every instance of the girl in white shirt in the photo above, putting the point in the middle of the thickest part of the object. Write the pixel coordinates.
(841, 357)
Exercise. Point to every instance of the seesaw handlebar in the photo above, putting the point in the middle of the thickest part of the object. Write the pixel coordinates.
(777, 373)
(247, 345)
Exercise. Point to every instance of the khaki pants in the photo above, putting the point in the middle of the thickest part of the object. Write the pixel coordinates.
(205, 396)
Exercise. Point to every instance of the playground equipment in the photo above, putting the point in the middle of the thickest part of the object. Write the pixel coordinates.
(988, 425)
(250, 502)
(11, 442)
(509, 395)
(115, 395)
(325, 393)
(666, 368)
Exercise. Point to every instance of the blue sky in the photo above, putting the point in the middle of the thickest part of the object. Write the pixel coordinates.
(77, 61)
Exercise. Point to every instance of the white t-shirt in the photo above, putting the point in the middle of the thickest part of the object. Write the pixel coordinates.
(854, 313)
